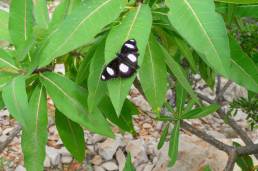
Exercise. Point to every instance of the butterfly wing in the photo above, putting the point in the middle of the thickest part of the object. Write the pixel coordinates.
(129, 47)
(111, 70)
(125, 64)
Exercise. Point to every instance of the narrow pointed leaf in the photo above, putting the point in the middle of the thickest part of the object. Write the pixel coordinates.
(40, 11)
(243, 70)
(137, 25)
(163, 136)
(15, 99)
(4, 33)
(200, 112)
(128, 164)
(71, 100)
(186, 51)
(173, 143)
(179, 74)
(34, 136)
(180, 98)
(21, 21)
(96, 86)
(80, 27)
(124, 121)
(207, 34)
(153, 75)
(239, 1)
(72, 135)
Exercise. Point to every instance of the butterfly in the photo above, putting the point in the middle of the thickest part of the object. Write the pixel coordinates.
(125, 63)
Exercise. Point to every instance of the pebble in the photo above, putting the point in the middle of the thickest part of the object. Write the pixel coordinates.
(47, 162)
(98, 168)
(20, 168)
(120, 158)
(108, 148)
(66, 159)
(110, 165)
(147, 126)
(97, 160)
(137, 151)
(53, 155)
(3, 138)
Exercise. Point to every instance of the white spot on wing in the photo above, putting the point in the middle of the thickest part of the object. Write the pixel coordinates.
(103, 77)
(132, 57)
(124, 68)
(129, 46)
(110, 71)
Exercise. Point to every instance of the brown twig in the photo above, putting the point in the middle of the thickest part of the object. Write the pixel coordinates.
(11, 136)
(231, 160)
(206, 137)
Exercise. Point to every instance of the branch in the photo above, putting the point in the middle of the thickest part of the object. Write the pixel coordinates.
(9, 139)
(231, 160)
(206, 137)
(248, 150)
(221, 92)
(232, 123)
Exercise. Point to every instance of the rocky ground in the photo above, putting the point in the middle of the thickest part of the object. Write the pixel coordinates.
(105, 154)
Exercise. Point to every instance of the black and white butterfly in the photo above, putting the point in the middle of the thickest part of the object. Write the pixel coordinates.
(125, 63)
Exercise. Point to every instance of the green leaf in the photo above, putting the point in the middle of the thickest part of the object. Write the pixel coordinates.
(244, 162)
(59, 14)
(124, 121)
(72, 135)
(240, 10)
(173, 143)
(4, 32)
(207, 168)
(7, 61)
(34, 136)
(163, 137)
(15, 99)
(21, 21)
(153, 75)
(186, 51)
(80, 27)
(84, 68)
(62, 11)
(200, 112)
(96, 86)
(180, 98)
(1, 101)
(137, 25)
(179, 74)
(41, 13)
(128, 164)
(207, 34)
(243, 70)
(71, 100)
(5, 78)
(238, 1)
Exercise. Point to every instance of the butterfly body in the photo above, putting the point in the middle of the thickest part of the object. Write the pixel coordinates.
(125, 63)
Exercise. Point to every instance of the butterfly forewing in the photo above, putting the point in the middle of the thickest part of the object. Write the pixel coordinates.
(125, 64)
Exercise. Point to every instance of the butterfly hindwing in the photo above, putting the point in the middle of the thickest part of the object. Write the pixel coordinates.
(125, 64)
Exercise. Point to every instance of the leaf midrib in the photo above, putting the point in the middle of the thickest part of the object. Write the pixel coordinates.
(79, 25)
(127, 37)
(62, 91)
(8, 63)
(203, 29)
(153, 74)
